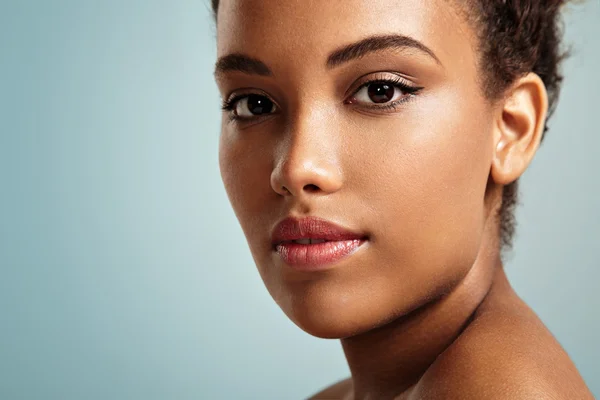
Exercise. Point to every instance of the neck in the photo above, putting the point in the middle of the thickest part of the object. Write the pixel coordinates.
(391, 359)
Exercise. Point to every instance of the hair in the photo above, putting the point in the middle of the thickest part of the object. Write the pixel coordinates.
(515, 37)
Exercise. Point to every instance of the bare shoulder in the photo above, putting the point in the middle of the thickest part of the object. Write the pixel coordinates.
(507, 353)
(338, 391)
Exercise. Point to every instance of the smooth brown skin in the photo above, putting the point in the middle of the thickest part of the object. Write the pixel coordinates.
(423, 309)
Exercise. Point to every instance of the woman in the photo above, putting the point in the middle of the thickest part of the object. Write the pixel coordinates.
(371, 152)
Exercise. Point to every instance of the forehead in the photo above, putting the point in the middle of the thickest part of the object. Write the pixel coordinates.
(308, 30)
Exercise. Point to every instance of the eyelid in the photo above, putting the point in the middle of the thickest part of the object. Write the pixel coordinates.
(239, 94)
(378, 77)
(231, 101)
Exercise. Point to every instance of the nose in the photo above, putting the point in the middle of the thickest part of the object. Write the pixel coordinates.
(307, 160)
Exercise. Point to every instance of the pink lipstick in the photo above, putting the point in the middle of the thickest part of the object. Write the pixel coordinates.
(312, 243)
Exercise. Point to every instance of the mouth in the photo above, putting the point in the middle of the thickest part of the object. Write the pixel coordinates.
(311, 244)
(305, 241)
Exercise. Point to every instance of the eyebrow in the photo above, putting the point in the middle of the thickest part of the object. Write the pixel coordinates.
(241, 63)
(376, 43)
(238, 62)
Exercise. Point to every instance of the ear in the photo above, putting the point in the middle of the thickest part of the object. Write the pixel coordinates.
(519, 127)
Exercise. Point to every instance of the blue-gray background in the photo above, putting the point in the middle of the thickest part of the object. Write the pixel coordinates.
(124, 273)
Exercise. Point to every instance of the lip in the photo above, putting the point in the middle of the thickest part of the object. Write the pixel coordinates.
(339, 242)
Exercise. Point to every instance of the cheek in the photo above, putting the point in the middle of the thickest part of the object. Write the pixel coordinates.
(246, 164)
(427, 187)
(245, 168)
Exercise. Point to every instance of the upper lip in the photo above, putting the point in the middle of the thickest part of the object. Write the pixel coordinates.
(310, 228)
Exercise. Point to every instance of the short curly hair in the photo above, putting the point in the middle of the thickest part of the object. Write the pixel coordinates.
(516, 37)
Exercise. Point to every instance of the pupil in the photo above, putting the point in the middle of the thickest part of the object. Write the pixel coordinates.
(381, 92)
(259, 104)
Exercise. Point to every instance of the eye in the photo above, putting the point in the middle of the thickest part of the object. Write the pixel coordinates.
(383, 91)
(250, 106)
(379, 92)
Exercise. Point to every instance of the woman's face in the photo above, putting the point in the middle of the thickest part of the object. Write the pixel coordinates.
(391, 139)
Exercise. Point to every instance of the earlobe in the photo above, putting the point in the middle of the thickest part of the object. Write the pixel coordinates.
(519, 128)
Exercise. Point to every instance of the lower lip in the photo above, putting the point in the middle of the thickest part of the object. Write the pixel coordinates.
(309, 257)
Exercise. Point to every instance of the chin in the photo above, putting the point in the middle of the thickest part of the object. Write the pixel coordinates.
(326, 326)
(329, 314)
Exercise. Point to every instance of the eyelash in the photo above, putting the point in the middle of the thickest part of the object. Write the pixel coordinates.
(409, 90)
(406, 88)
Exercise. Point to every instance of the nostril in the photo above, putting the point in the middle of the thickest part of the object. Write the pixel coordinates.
(311, 188)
